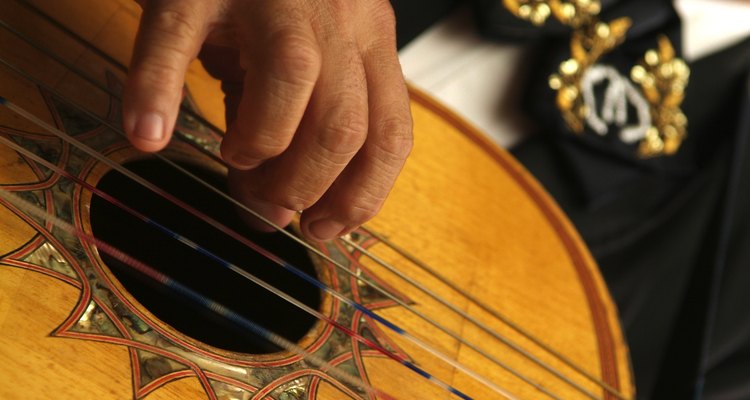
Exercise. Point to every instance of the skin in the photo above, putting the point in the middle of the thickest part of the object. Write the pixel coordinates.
(317, 108)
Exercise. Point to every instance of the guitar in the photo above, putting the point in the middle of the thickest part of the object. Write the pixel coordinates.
(470, 283)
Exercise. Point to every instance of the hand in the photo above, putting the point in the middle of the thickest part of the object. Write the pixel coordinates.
(317, 108)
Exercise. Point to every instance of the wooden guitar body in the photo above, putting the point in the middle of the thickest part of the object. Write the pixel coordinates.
(70, 329)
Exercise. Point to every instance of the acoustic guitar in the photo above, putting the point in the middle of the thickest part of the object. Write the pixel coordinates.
(128, 275)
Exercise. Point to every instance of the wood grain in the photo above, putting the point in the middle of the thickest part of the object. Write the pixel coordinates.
(461, 205)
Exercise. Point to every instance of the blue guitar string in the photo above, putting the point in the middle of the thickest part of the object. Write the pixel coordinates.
(289, 267)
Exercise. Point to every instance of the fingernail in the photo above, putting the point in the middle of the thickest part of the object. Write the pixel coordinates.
(150, 127)
(326, 229)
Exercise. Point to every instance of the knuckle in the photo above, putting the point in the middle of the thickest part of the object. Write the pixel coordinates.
(178, 22)
(344, 133)
(361, 205)
(158, 72)
(342, 10)
(379, 33)
(265, 146)
(296, 57)
(394, 139)
(168, 40)
(361, 212)
(258, 145)
(383, 19)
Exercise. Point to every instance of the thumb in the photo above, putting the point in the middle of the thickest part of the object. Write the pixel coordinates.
(169, 37)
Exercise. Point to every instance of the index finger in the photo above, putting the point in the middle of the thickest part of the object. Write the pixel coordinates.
(169, 37)
(278, 83)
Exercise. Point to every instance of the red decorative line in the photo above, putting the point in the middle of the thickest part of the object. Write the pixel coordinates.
(60, 124)
(333, 270)
(42, 270)
(146, 347)
(383, 285)
(386, 303)
(135, 367)
(371, 353)
(266, 391)
(45, 182)
(340, 359)
(89, 249)
(231, 381)
(35, 136)
(312, 391)
(178, 339)
(157, 383)
(28, 248)
(113, 317)
(320, 341)
(52, 109)
(356, 356)
(27, 187)
(366, 244)
(383, 338)
(599, 315)
(99, 130)
(85, 288)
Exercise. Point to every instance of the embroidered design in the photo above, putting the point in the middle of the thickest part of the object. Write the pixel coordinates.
(573, 13)
(587, 46)
(661, 77)
(619, 94)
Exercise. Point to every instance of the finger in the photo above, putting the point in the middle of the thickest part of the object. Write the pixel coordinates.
(169, 37)
(359, 192)
(281, 71)
(333, 130)
(242, 187)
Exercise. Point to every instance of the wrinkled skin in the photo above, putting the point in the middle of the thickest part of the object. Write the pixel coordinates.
(317, 109)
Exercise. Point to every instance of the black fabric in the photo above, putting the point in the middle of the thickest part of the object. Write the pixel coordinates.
(653, 227)
(414, 16)
(655, 240)
(661, 229)
(496, 23)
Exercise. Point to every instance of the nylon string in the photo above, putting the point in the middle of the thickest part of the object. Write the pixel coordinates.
(280, 262)
(422, 288)
(366, 252)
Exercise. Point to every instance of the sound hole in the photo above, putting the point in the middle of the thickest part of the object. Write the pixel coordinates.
(196, 270)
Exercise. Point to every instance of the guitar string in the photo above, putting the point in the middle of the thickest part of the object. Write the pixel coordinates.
(514, 326)
(346, 240)
(233, 267)
(391, 326)
(454, 335)
(422, 288)
(78, 72)
(190, 294)
(109, 59)
(419, 314)
(246, 242)
(506, 341)
(442, 279)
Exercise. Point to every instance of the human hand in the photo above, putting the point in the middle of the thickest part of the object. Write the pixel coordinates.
(317, 108)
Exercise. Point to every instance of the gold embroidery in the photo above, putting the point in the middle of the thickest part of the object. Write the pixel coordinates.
(587, 45)
(573, 13)
(661, 76)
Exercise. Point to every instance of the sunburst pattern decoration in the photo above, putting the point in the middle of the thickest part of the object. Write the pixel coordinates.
(104, 314)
